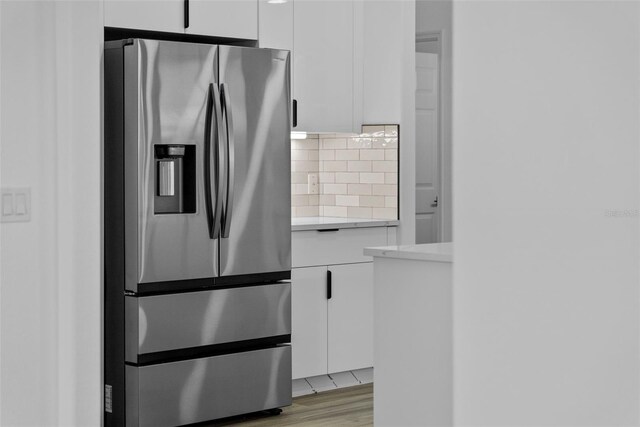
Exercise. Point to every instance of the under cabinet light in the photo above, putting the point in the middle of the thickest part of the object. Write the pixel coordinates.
(298, 135)
(276, 1)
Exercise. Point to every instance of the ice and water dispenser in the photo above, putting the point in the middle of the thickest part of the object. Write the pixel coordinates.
(175, 179)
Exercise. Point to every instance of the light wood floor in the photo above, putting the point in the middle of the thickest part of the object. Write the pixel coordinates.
(352, 406)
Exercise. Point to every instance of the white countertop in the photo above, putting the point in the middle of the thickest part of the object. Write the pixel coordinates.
(440, 252)
(325, 222)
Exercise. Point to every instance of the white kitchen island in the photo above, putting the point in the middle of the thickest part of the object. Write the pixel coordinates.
(413, 340)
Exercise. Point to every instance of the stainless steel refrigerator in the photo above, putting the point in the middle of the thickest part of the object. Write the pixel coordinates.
(197, 230)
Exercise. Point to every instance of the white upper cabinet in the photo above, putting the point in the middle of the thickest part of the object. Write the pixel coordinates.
(224, 18)
(323, 65)
(275, 29)
(326, 40)
(383, 63)
(159, 15)
(217, 18)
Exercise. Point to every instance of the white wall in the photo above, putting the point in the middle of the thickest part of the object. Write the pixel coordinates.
(435, 16)
(28, 252)
(50, 280)
(546, 133)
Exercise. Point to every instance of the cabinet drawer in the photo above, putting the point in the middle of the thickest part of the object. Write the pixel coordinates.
(206, 318)
(191, 391)
(310, 248)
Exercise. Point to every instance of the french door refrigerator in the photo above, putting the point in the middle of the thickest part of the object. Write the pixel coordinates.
(197, 229)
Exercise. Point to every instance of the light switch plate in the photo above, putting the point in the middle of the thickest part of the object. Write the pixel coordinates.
(16, 204)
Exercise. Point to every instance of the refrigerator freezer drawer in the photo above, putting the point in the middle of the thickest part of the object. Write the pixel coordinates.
(198, 390)
(193, 319)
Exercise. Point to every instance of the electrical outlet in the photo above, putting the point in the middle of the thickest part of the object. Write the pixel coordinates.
(312, 182)
(16, 205)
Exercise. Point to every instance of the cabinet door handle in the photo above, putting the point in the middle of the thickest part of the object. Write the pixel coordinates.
(295, 113)
(186, 13)
(329, 284)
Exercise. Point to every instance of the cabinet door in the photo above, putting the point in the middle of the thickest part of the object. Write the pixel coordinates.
(309, 321)
(275, 25)
(323, 65)
(350, 334)
(224, 18)
(155, 15)
(383, 44)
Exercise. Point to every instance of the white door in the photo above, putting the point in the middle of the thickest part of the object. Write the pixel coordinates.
(350, 319)
(309, 321)
(427, 165)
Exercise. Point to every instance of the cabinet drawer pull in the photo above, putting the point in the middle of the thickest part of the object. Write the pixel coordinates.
(328, 230)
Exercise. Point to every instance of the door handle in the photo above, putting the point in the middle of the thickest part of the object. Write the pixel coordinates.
(212, 156)
(295, 114)
(186, 13)
(217, 213)
(230, 168)
(329, 285)
(207, 161)
(435, 203)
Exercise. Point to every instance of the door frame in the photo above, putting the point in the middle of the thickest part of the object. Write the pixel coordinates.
(436, 36)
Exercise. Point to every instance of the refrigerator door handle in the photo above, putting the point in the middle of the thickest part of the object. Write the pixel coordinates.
(217, 218)
(213, 108)
(207, 161)
(230, 169)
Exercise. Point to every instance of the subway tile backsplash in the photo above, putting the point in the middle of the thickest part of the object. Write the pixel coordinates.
(357, 176)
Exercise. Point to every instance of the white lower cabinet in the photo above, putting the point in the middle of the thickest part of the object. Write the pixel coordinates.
(350, 317)
(309, 321)
(336, 334)
(338, 246)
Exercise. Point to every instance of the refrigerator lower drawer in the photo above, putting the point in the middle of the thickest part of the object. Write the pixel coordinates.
(194, 319)
(191, 391)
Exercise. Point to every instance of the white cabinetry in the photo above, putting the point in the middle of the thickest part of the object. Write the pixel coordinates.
(383, 63)
(224, 18)
(347, 59)
(339, 246)
(218, 18)
(309, 321)
(332, 334)
(324, 37)
(275, 26)
(323, 65)
(156, 15)
(350, 318)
